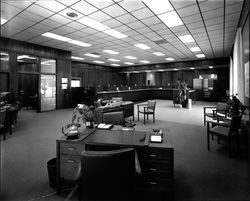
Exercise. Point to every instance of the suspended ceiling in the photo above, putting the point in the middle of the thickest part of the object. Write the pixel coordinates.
(212, 24)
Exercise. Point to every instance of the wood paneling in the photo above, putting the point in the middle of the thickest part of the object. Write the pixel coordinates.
(4, 82)
(92, 75)
(14, 47)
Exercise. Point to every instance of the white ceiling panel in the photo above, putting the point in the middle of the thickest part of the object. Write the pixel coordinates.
(27, 21)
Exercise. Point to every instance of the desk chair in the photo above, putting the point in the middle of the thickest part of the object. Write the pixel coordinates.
(225, 130)
(148, 109)
(116, 118)
(214, 112)
(107, 175)
(2, 123)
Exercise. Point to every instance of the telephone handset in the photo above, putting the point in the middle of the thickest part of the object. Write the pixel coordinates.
(71, 130)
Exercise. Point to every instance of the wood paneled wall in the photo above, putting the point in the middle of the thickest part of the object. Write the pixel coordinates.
(92, 75)
(14, 47)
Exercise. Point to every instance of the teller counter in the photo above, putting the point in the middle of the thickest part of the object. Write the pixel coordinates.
(136, 95)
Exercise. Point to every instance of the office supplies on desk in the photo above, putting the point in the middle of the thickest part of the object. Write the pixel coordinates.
(156, 135)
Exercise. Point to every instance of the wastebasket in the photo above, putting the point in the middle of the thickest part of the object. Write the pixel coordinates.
(51, 166)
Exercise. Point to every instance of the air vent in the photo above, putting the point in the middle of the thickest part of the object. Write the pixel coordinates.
(158, 42)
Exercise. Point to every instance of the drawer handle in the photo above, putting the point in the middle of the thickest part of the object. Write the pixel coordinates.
(71, 148)
(152, 169)
(71, 161)
(153, 155)
(153, 182)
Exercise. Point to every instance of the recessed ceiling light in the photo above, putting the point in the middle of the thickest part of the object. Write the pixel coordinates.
(171, 19)
(115, 64)
(93, 24)
(110, 51)
(77, 58)
(3, 21)
(76, 42)
(200, 55)
(195, 49)
(128, 63)
(92, 55)
(211, 67)
(186, 38)
(158, 54)
(160, 6)
(145, 61)
(115, 33)
(192, 68)
(142, 46)
(55, 36)
(99, 62)
(169, 59)
(72, 14)
(130, 57)
(115, 60)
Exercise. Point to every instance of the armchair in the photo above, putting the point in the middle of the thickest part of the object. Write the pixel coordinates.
(107, 175)
(148, 109)
(215, 112)
(116, 118)
(226, 130)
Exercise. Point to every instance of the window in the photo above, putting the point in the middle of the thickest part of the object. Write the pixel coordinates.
(76, 82)
(48, 65)
(27, 63)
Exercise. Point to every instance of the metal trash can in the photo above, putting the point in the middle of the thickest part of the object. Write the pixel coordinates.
(189, 103)
(51, 167)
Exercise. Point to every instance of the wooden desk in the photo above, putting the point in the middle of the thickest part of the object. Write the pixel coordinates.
(156, 159)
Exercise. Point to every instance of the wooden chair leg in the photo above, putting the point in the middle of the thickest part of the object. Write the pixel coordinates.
(147, 116)
(154, 118)
(208, 140)
(144, 118)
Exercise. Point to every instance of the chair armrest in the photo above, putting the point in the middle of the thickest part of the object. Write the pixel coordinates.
(219, 124)
(145, 104)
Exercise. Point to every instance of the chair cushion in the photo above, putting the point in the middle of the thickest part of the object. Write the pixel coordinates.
(220, 130)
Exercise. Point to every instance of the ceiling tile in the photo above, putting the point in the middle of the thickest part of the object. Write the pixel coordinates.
(51, 5)
(60, 19)
(18, 4)
(192, 18)
(112, 23)
(132, 5)
(210, 5)
(100, 16)
(40, 11)
(142, 13)
(68, 2)
(181, 4)
(100, 3)
(136, 25)
(187, 11)
(84, 8)
(151, 20)
(127, 18)
(115, 11)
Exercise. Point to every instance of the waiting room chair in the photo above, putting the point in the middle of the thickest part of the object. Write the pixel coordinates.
(116, 118)
(2, 123)
(107, 175)
(225, 130)
(148, 109)
(214, 112)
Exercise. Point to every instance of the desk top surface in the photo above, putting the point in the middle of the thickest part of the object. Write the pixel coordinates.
(117, 137)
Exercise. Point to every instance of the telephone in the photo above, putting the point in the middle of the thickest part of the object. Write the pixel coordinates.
(71, 130)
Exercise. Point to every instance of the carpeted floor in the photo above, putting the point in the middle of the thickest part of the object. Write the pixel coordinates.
(199, 175)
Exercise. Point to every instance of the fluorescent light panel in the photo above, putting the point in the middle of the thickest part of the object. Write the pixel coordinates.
(55, 36)
(115, 60)
(192, 68)
(99, 62)
(211, 67)
(110, 51)
(3, 21)
(158, 54)
(92, 55)
(115, 33)
(130, 57)
(77, 58)
(171, 19)
(169, 59)
(195, 49)
(79, 43)
(115, 64)
(145, 61)
(159, 6)
(200, 55)
(186, 38)
(142, 46)
(93, 24)
(128, 63)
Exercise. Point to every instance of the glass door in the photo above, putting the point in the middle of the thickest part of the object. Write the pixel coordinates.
(48, 85)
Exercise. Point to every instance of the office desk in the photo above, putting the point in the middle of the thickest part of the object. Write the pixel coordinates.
(156, 159)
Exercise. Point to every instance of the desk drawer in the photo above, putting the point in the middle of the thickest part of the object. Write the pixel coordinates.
(159, 184)
(159, 154)
(70, 148)
(69, 166)
(158, 171)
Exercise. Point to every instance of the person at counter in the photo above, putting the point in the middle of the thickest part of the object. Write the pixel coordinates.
(182, 92)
